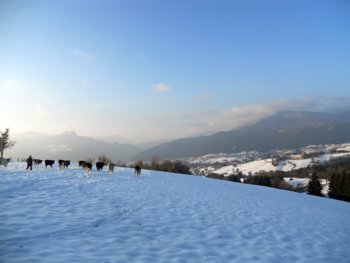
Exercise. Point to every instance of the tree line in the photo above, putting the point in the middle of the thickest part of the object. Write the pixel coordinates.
(155, 164)
(336, 172)
(166, 166)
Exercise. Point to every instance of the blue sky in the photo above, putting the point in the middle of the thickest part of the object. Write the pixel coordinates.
(150, 70)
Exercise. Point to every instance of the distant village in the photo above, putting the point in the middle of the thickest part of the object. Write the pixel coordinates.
(284, 159)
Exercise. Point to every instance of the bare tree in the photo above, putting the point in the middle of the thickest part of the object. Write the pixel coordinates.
(90, 160)
(121, 163)
(5, 142)
(104, 159)
(155, 163)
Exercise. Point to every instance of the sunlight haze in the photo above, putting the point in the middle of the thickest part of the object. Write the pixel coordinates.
(154, 70)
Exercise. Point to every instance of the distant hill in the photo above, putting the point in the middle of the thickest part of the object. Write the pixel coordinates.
(289, 129)
(67, 145)
(292, 129)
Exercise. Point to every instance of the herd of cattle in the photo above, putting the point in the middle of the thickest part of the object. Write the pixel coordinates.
(63, 164)
(99, 166)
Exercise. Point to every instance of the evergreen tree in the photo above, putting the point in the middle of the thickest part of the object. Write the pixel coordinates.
(334, 191)
(331, 185)
(314, 187)
(339, 186)
(346, 186)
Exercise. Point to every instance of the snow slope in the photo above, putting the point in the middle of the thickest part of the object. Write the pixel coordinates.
(266, 165)
(70, 216)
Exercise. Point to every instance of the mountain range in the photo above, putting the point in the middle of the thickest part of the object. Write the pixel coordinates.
(70, 146)
(289, 129)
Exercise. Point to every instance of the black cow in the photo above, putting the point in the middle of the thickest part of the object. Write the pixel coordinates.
(49, 162)
(66, 163)
(81, 164)
(63, 164)
(87, 166)
(99, 166)
(37, 161)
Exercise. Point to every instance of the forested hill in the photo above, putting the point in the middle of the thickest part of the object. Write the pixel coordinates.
(289, 129)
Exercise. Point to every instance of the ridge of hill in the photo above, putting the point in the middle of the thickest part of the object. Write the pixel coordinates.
(68, 145)
(288, 129)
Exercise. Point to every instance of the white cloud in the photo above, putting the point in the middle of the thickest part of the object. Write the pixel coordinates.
(84, 54)
(39, 112)
(239, 115)
(161, 88)
(204, 121)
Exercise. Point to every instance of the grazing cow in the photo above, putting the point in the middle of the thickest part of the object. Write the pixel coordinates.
(49, 162)
(111, 167)
(61, 164)
(81, 164)
(4, 161)
(87, 166)
(99, 166)
(66, 163)
(37, 161)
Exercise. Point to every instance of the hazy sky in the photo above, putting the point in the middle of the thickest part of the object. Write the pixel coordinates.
(155, 69)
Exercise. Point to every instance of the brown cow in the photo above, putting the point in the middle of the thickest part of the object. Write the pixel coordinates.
(111, 167)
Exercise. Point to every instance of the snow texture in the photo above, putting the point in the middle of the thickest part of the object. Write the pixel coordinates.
(50, 215)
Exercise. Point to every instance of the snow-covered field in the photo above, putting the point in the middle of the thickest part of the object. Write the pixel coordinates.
(70, 216)
(267, 166)
(254, 162)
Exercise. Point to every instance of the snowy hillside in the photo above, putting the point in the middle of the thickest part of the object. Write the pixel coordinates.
(70, 216)
(267, 165)
(253, 162)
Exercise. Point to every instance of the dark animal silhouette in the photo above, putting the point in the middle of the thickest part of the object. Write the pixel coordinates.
(99, 166)
(63, 164)
(87, 166)
(37, 161)
(111, 167)
(49, 163)
(81, 164)
(66, 163)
